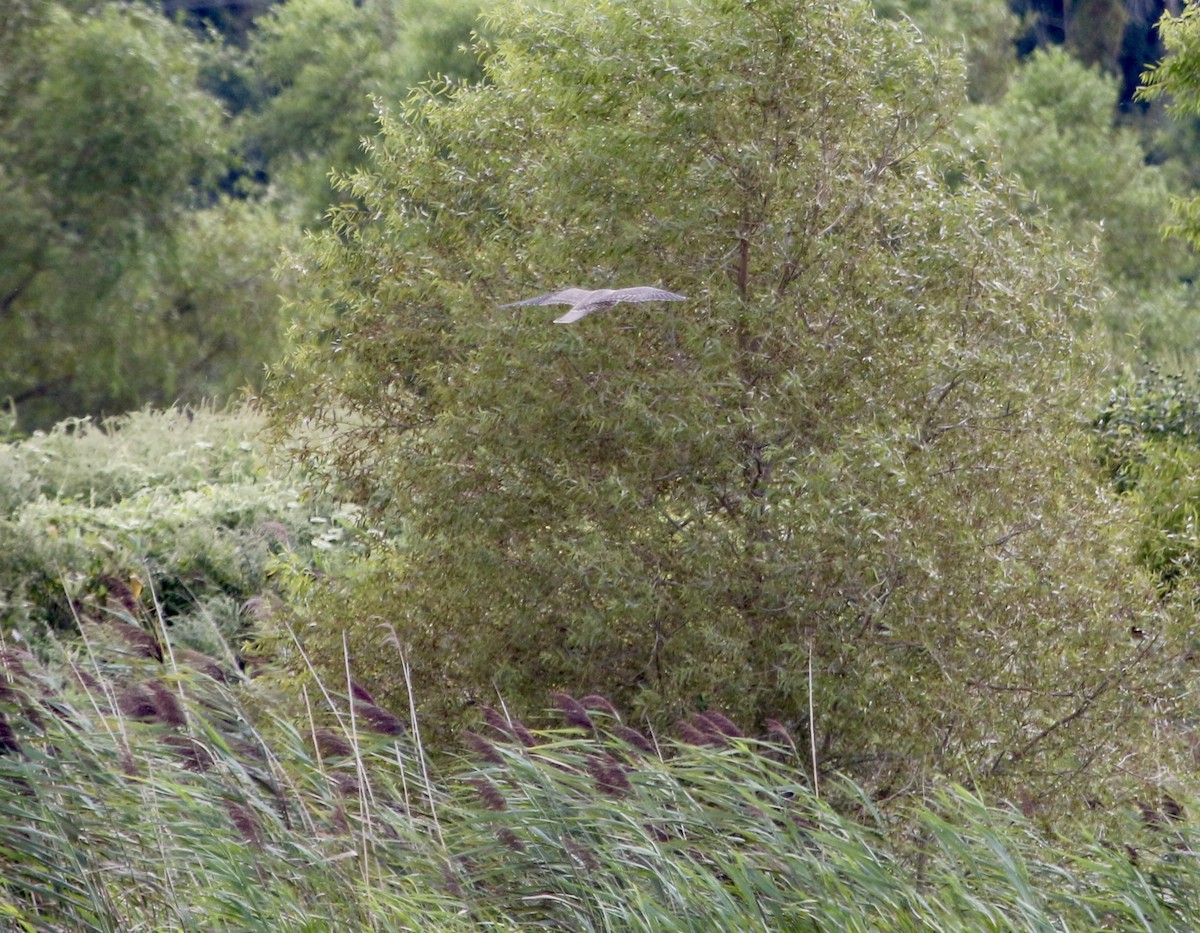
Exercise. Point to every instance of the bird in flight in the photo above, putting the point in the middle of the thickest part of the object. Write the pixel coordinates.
(584, 302)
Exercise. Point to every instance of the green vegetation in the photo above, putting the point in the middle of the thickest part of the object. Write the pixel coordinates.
(150, 181)
(1150, 445)
(845, 485)
(103, 136)
(906, 487)
(981, 31)
(158, 805)
(171, 513)
(1177, 78)
(1053, 132)
(321, 65)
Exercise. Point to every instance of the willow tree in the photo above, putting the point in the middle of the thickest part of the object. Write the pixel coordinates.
(840, 486)
(115, 289)
(1177, 80)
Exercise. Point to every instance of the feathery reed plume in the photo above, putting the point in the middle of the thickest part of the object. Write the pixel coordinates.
(573, 712)
(90, 684)
(489, 793)
(137, 702)
(509, 728)
(275, 532)
(1150, 816)
(661, 832)
(246, 823)
(777, 729)
(34, 718)
(202, 664)
(493, 718)
(8, 738)
(523, 734)
(141, 642)
(693, 736)
(509, 839)
(702, 724)
(379, 720)
(1169, 811)
(121, 594)
(127, 763)
(193, 753)
(257, 609)
(609, 775)
(721, 723)
(581, 855)
(13, 663)
(331, 744)
(595, 701)
(166, 702)
(633, 738)
(360, 693)
(345, 785)
(483, 748)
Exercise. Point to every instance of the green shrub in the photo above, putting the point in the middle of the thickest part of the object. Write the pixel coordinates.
(843, 484)
(178, 508)
(144, 795)
(1149, 432)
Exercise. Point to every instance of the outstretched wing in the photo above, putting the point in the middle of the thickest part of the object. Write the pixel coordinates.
(644, 293)
(606, 298)
(568, 296)
(584, 302)
(583, 309)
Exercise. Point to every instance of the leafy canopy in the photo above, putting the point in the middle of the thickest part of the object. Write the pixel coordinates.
(841, 485)
(115, 288)
(982, 31)
(1177, 78)
(319, 64)
(1054, 131)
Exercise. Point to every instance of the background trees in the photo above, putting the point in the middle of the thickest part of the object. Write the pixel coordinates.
(1177, 78)
(104, 135)
(840, 360)
(144, 225)
(846, 478)
(847, 491)
(317, 66)
(1053, 131)
(983, 33)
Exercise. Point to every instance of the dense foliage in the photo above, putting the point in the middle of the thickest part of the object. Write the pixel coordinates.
(1149, 430)
(1177, 78)
(981, 31)
(843, 485)
(141, 793)
(173, 513)
(321, 65)
(852, 491)
(144, 224)
(1053, 132)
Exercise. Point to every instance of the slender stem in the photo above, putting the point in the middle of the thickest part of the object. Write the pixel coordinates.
(812, 724)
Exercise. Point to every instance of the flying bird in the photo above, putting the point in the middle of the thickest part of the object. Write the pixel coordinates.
(584, 302)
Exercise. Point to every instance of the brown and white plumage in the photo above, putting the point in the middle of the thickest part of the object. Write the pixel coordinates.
(584, 302)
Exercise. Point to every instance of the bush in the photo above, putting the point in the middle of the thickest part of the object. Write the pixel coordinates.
(175, 512)
(844, 485)
(1149, 431)
(146, 795)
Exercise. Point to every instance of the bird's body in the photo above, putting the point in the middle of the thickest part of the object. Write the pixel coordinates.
(584, 302)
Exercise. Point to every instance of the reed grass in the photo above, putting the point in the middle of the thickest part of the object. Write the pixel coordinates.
(185, 811)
